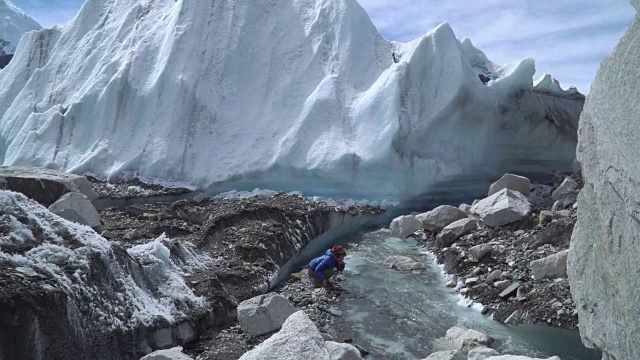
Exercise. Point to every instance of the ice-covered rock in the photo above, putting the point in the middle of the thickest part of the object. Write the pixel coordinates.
(568, 185)
(198, 92)
(446, 355)
(76, 207)
(264, 314)
(457, 229)
(403, 226)
(168, 354)
(13, 25)
(404, 263)
(462, 339)
(502, 208)
(436, 219)
(511, 182)
(481, 353)
(299, 338)
(342, 351)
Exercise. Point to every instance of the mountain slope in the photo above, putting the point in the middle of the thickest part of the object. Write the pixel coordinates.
(13, 24)
(292, 95)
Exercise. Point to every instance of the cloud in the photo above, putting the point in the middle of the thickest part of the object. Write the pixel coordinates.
(567, 38)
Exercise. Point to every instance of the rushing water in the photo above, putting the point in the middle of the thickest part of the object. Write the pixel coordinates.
(396, 315)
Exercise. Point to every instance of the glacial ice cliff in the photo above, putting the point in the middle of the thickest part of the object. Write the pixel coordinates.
(603, 265)
(290, 95)
(13, 24)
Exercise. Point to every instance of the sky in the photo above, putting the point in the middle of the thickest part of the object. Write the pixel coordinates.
(567, 38)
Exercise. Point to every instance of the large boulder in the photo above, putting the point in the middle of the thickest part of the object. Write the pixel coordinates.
(404, 263)
(403, 226)
(456, 229)
(298, 339)
(517, 183)
(517, 357)
(44, 185)
(169, 354)
(603, 264)
(481, 353)
(436, 219)
(264, 314)
(552, 267)
(502, 208)
(77, 207)
(462, 339)
(567, 186)
(342, 351)
(447, 355)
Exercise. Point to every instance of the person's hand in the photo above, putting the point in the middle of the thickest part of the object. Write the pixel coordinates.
(326, 284)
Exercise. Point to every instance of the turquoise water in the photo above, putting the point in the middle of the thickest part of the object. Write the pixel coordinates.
(397, 315)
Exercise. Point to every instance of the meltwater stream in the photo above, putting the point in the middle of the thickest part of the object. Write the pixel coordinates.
(396, 315)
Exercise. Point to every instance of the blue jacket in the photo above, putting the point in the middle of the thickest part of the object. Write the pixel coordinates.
(324, 262)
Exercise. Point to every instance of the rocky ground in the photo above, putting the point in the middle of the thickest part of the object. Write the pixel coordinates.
(506, 253)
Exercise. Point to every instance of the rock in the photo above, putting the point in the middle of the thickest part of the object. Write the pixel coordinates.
(455, 230)
(551, 267)
(403, 263)
(44, 185)
(299, 338)
(502, 208)
(436, 219)
(494, 276)
(263, 314)
(545, 217)
(510, 290)
(478, 252)
(466, 208)
(516, 357)
(76, 207)
(561, 214)
(446, 355)
(169, 354)
(403, 226)
(342, 351)
(567, 186)
(501, 285)
(461, 339)
(295, 277)
(517, 183)
(481, 353)
(470, 282)
(200, 198)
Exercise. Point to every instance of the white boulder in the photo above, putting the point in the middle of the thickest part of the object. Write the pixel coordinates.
(264, 314)
(551, 267)
(457, 229)
(76, 207)
(502, 208)
(481, 353)
(466, 208)
(567, 186)
(462, 339)
(298, 339)
(403, 226)
(404, 263)
(436, 219)
(446, 355)
(342, 351)
(517, 183)
(169, 354)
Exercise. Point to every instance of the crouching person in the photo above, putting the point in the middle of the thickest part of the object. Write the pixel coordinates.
(324, 267)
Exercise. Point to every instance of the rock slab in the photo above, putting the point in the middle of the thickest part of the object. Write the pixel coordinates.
(457, 229)
(76, 207)
(462, 339)
(513, 182)
(436, 219)
(403, 226)
(502, 208)
(551, 267)
(264, 314)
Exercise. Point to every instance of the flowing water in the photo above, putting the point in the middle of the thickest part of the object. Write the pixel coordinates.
(396, 315)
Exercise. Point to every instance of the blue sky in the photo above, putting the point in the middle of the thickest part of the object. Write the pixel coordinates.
(567, 38)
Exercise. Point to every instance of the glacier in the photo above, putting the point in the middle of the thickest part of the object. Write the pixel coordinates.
(13, 25)
(288, 95)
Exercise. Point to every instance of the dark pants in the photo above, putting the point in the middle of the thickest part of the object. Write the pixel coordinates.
(314, 277)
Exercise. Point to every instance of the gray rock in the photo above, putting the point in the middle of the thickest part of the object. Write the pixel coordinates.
(481, 353)
(510, 290)
(461, 339)
(561, 214)
(403, 226)
(264, 314)
(201, 197)
(545, 217)
(466, 208)
(516, 357)
(471, 282)
(567, 186)
(76, 207)
(446, 355)
(478, 252)
(169, 354)
(501, 285)
(436, 219)
(341, 351)
(298, 339)
(494, 276)
(44, 185)
(502, 208)
(404, 263)
(456, 229)
(551, 267)
(517, 183)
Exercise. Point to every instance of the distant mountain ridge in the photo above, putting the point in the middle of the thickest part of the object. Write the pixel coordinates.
(13, 24)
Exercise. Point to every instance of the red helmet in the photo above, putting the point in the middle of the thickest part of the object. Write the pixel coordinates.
(338, 250)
